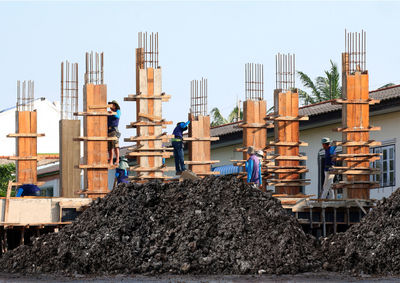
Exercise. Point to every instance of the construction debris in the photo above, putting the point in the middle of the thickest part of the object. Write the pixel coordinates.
(217, 225)
(370, 247)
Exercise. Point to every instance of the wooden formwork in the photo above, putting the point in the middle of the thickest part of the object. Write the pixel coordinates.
(70, 174)
(26, 148)
(355, 130)
(149, 151)
(285, 169)
(95, 140)
(199, 141)
(254, 128)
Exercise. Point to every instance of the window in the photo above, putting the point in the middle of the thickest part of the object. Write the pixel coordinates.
(46, 192)
(386, 165)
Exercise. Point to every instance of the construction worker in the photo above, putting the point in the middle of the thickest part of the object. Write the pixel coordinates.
(253, 168)
(112, 125)
(121, 173)
(177, 144)
(28, 190)
(329, 162)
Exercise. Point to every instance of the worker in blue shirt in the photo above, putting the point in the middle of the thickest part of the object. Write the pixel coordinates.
(112, 125)
(177, 144)
(28, 190)
(327, 191)
(253, 168)
(121, 173)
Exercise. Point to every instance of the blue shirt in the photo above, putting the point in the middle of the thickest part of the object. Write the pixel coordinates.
(328, 157)
(121, 175)
(113, 120)
(253, 169)
(178, 131)
(28, 190)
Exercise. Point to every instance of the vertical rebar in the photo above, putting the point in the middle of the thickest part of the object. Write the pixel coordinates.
(285, 71)
(355, 47)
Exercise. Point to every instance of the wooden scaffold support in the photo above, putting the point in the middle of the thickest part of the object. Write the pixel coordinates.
(95, 128)
(199, 139)
(149, 150)
(356, 143)
(70, 128)
(254, 113)
(26, 136)
(285, 170)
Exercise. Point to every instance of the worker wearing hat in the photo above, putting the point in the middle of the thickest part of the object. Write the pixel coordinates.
(253, 167)
(112, 125)
(177, 144)
(327, 191)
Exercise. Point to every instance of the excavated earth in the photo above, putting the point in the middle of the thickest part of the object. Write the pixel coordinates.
(370, 247)
(218, 225)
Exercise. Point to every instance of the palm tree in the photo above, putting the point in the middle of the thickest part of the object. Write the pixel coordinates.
(324, 88)
(217, 118)
(233, 116)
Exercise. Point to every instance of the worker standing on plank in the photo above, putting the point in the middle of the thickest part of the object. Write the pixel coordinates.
(112, 125)
(253, 168)
(329, 162)
(177, 144)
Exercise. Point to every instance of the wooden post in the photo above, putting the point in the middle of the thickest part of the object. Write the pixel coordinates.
(200, 146)
(287, 168)
(254, 129)
(355, 130)
(70, 177)
(149, 151)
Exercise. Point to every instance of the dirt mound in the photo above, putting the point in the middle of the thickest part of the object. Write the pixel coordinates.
(217, 225)
(371, 246)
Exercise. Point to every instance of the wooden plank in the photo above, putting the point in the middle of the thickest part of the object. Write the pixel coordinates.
(201, 162)
(201, 139)
(150, 117)
(357, 143)
(92, 113)
(147, 138)
(357, 101)
(286, 143)
(26, 135)
(151, 153)
(288, 118)
(349, 129)
(95, 138)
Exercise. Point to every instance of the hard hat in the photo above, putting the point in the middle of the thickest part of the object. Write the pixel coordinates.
(325, 140)
(260, 153)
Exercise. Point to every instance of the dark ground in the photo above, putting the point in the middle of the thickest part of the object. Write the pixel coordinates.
(299, 278)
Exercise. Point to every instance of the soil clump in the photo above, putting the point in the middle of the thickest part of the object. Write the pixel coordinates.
(218, 225)
(371, 246)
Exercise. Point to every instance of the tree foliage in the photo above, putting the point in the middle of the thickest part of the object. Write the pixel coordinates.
(323, 88)
(7, 173)
(216, 118)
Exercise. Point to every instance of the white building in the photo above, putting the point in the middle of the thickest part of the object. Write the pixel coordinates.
(48, 116)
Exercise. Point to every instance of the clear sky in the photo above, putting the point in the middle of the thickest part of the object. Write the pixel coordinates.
(213, 39)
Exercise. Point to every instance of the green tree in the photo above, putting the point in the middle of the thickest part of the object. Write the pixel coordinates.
(7, 173)
(217, 118)
(387, 85)
(324, 88)
(233, 116)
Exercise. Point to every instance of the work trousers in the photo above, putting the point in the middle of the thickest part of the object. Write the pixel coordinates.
(178, 156)
(327, 188)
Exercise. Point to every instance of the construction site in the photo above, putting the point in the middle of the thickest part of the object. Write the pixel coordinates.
(240, 198)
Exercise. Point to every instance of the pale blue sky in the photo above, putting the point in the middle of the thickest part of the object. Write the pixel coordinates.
(210, 39)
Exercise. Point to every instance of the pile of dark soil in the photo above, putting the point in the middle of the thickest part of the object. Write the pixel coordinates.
(218, 225)
(372, 246)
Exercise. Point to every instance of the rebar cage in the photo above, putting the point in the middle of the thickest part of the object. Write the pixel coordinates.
(25, 96)
(94, 68)
(149, 47)
(285, 72)
(198, 97)
(356, 49)
(254, 81)
(69, 90)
